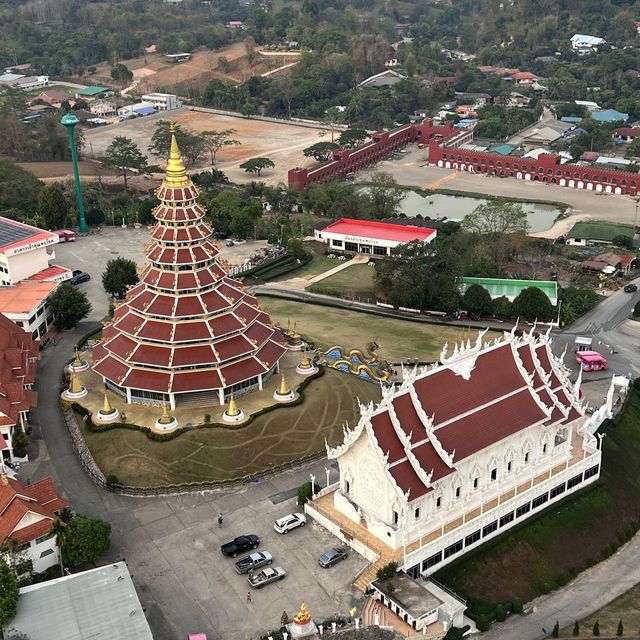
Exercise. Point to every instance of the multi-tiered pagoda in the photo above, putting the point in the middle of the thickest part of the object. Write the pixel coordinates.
(187, 333)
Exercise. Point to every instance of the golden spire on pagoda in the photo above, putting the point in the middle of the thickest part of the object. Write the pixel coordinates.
(165, 418)
(75, 385)
(303, 615)
(176, 172)
(232, 409)
(283, 389)
(106, 405)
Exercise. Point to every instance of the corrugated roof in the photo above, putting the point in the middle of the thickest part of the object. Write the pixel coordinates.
(379, 230)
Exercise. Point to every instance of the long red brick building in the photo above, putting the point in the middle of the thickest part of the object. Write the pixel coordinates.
(445, 142)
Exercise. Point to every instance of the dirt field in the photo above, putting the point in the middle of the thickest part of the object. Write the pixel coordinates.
(154, 73)
(282, 143)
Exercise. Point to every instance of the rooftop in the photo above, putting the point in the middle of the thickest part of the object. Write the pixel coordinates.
(99, 603)
(24, 297)
(379, 230)
(604, 231)
(498, 287)
(609, 115)
(410, 595)
(92, 91)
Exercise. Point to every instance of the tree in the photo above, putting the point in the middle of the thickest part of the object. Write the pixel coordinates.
(87, 540)
(626, 242)
(532, 304)
(69, 306)
(596, 628)
(576, 629)
(213, 141)
(118, 274)
(620, 630)
(384, 194)
(636, 310)
(498, 218)
(8, 594)
(633, 149)
(19, 188)
(52, 206)
(556, 630)
(120, 73)
(321, 151)
(256, 165)
(352, 138)
(191, 144)
(124, 155)
(60, 531)
(477, 301)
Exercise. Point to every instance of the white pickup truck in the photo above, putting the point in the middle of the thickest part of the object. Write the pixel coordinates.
(270, 574)
(253, 561)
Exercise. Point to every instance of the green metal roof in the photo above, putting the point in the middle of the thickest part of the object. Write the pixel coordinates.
(603, 231)
(509, 288)
(502, 149)
(92, 91)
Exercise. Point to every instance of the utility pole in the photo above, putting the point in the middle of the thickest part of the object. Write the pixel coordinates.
(70, 121)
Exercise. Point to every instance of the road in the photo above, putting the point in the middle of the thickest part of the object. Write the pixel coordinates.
(412, 170)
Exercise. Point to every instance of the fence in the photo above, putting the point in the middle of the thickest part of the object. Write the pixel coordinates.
(95, 474)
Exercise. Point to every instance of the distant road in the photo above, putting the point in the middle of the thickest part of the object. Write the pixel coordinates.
(73, 85)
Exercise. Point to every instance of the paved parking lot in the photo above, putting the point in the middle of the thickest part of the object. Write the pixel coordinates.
(91, 253)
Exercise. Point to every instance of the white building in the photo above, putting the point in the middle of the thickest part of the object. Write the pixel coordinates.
(32, 82)
(459, 453)
(586, 44)
(367, 236)
(26, 276)
(26, 516)
(103, 108)
(98, 603)
(162, 101)
(135, 110)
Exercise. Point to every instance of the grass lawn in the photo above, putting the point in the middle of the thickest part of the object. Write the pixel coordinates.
(216, 453)
(319, 263)
(625, 607)
(356, 281)
(398, 339)
(547, 551)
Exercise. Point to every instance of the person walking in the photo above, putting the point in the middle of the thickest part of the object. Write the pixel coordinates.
(249, 597)
(220, 521)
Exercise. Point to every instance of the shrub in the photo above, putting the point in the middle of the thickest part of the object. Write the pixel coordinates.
(387, 572)
(596, 628)
(482, 623)
(112, 479)
(207, 418)
(516, 605)
(284, 619)
(556, 630)
(576, 629)
(305, 493)
(20, 442)
(620, 631)
(501, 613)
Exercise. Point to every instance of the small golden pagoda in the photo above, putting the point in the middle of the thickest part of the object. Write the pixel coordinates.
(303, 615)
(75, 386)
(283, 389)
(232, 409)
(106, 405)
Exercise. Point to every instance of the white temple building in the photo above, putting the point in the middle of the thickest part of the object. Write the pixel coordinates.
(460, 452)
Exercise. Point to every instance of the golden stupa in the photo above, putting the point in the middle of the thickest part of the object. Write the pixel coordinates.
(176, 171)
(283, 390)
(106, 405)
(232, 409)
(75, 385)
(303, 615)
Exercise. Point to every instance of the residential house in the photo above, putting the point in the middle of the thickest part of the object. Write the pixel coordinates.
(623, 263)
(29, 83)
(27, 513)
(583, 44)
(588, 104)
(381, 80)
(18, 361)
(162, 101)
(91, 93)
(402, 29)
(625, 134)
(524, 77)
(53, 97)
(597, 266)
(588, 234)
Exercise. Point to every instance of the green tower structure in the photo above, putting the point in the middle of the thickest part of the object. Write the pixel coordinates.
(70, 121)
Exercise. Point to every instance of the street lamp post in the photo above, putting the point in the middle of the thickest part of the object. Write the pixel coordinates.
(70, 121)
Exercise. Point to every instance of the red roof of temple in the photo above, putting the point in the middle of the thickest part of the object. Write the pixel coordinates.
(477, 398)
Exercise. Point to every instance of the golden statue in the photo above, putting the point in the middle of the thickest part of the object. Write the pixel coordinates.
(232, 409)
(77, 363)
(303, 615)
(166, 417)
(306, 362)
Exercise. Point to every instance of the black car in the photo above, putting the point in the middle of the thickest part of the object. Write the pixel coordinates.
(240, 544)
(631, 288)
(332, 556)
(79, 276)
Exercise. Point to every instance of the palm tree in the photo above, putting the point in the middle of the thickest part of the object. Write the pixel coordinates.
(61, 532)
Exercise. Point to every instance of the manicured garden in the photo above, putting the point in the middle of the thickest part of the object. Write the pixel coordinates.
(548, 551)
(354, 282)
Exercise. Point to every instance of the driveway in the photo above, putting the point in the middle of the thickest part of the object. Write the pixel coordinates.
(171, 544)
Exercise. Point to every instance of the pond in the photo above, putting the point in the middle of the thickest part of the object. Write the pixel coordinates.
(438, 205)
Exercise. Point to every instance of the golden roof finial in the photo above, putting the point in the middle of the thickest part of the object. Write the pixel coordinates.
(232, 409)
(284, 389)
(75, 386)
(303, 615)
(176, 172)
(106, 405)
(166, 417)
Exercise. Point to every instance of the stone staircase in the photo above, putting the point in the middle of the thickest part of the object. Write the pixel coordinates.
(365, 579)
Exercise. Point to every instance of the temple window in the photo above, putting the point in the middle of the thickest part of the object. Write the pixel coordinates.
(416, 513)
(458, 491)
(438, 502)
(509, 465)
(476, 481)
(494, 474)
(395, 517)
(526, 457)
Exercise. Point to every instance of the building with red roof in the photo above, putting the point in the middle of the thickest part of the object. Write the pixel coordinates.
(187, 333)
(462, 451)
(368, 236)
(18, 361)
(26, 516)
